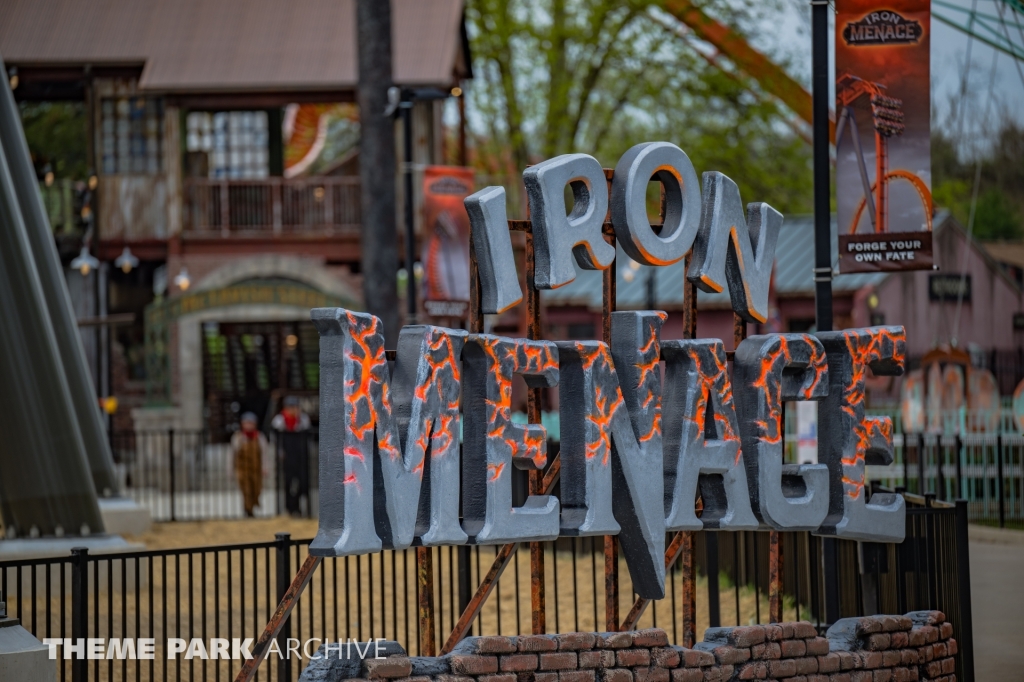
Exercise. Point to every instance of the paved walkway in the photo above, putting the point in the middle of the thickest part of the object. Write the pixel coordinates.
(997, 591)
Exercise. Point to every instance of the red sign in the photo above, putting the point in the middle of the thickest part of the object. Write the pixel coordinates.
(446, 240)
(883, 158)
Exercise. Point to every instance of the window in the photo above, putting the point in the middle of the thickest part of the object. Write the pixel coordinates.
(132, 131)
(228, 144)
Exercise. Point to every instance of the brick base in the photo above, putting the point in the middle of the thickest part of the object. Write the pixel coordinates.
(917, 647)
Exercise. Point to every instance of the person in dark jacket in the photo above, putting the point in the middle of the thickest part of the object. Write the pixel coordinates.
(292, 426)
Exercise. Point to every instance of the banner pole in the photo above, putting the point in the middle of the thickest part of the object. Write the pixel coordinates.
(823, 238)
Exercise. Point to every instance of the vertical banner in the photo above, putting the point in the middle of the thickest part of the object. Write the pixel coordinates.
(446, 240)
(883, 109)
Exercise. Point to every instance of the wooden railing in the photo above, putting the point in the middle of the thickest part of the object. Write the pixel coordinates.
(270, 206)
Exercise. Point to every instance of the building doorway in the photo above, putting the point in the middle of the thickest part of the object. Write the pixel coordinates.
(252, 366)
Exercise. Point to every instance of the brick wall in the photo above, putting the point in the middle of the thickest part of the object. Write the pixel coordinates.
(917, 647)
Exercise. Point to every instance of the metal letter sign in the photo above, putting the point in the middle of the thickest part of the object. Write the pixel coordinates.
(494, 443)
(389, 462)
(727, 248)
(381, 435)
(499, 286)
(612, 454)
(772, 369)
(849, 440)
(671, 166)
(556, 234)
(702, 443)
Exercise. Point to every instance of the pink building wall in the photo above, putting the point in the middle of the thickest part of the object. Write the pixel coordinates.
(985, 320)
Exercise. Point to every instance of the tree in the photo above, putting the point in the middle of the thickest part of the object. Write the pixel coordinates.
(377, 166)
(57, 138)
(597, 76)
(999, 213)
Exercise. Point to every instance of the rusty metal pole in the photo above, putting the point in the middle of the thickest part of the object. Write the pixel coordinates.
(425, 599)
(611, 543)
(774, 577)
(280, 617)
(688, 567)
(775, 554)
(533, 415)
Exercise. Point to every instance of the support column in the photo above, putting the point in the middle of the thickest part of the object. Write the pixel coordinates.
(56, 304)
(45, 484)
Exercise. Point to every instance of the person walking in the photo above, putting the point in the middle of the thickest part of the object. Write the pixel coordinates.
(292, 426)
(248, 445)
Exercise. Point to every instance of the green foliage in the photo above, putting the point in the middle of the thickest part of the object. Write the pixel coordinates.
(598, 76)
(995, 217)
(57, 138)
(999, 214)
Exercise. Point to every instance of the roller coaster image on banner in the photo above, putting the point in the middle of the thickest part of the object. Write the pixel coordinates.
(883, 169)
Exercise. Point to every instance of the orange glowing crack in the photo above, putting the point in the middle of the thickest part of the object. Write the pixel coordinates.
(534, 446)
(549, 359)
(862, 355)
(591, 356)
(368, 364)
(603, 421)
(856, 487)
(387, 446)
(646, 368)
(354, 452)
(446, 360)
(771, 426)
(532, 355)
(495, 471)
(442, 437)
(421, 442)
(352, 480)
(650, 343)
(655, 429)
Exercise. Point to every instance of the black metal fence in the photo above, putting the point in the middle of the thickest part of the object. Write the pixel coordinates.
(189, 476)
(229, 592)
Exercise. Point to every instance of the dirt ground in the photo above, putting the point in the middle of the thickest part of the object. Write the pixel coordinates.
(237, 531)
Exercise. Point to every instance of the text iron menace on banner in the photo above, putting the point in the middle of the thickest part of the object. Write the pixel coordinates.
(883, 158)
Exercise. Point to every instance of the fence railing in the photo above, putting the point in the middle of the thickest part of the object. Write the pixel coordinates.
(230, 592)
(986, 470)
(189, 476)
(271, 205)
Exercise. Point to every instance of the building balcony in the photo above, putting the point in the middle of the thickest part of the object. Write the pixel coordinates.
(270, 207)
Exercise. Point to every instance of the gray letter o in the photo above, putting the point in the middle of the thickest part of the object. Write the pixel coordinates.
(671, 166)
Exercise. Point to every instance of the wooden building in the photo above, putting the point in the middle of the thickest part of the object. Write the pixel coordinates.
(185, 105)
